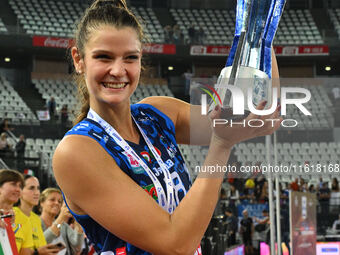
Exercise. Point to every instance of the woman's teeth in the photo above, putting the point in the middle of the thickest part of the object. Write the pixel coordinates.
(114, 85)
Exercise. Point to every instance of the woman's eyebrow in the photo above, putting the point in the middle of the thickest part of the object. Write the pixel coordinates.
(110, 53)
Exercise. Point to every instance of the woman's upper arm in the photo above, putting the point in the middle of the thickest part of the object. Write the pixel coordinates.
(93, 183)
(49, 235)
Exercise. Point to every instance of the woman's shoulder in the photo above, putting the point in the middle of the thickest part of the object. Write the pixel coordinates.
(169, 106)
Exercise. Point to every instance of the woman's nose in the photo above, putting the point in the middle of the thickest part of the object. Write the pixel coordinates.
(117, 68)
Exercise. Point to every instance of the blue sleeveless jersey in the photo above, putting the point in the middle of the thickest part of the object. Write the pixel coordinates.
(161, 132)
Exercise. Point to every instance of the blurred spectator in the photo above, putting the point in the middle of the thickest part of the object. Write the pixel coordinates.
(64, 118)
(311, 189)
(58, 229)
(303, 187)
(263, 198)
(192, 34)
(201, 35)
(5, 147)
(188, 76)
(51, 106)
(168, 34)
(294, 186)
(5, 126)
(335, 185)
(220, 206)
(249, 191)
(178, 37)
(336, 225)
(232, 226)
(334, 200)
(263, 226)
(284, 193)
(320, 184)
(20, 150)
(28, 200)
(234, 198)
(324, 196)
(246, 231)
(11, 183)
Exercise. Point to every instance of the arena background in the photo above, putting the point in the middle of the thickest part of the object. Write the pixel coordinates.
(34, 66)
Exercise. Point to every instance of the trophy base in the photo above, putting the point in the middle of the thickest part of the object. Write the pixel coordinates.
(227, 114)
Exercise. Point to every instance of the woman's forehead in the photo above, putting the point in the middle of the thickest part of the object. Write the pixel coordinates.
(113, 38)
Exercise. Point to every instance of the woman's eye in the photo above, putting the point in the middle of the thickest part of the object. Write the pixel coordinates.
(102, 57)
(132, 57)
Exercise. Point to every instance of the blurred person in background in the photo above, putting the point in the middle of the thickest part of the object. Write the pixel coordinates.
(5, 126)
(324, 196)
(64, 119)
(28, 200)
(4, 145)
(234, 198)
(231, 222)
(192, 33)
(51, 106)
(20, 151)
(11, 183)
(56, 220)
(178, 36)
(334, 201)
(246, 231)
(201, 35)
(168, 34)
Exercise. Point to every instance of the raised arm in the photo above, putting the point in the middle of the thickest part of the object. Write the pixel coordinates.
(191, 126)
(91, 179)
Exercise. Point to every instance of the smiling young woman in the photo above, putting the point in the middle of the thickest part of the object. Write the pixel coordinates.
(117, 151)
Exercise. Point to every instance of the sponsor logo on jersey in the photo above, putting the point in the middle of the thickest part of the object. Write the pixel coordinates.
(171, 152)
(151, 190)
(121, 251)
(169, 163)
(135, 166)
(146, 156)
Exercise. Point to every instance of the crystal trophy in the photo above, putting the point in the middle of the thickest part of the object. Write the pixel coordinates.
(246, 79)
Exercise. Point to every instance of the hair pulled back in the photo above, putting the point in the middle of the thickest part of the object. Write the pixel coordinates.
(101, 12)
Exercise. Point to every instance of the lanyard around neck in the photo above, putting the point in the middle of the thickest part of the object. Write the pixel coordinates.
(166, 202)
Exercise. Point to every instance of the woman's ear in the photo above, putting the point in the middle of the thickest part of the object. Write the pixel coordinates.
(78, 61)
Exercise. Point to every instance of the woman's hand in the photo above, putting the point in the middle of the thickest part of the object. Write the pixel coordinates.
(9, 213)
(48, 249)
(227, 136)
(64, 215)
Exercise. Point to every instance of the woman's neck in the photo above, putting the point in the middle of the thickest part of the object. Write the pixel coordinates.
(47, 218)
(5, 205)
(120, 119)
(26, 208)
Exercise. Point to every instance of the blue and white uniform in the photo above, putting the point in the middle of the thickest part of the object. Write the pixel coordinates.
(161, 132)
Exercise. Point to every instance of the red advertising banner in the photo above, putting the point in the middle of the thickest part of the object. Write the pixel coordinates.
(312, 50)
(153, 48)
(56, 42)
(201, 50)
(302, 207)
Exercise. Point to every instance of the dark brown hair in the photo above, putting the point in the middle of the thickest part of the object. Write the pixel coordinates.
(101, 12)
(7, 175)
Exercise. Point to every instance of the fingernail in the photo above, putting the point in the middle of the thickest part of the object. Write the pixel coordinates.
(265, 102)
(279, 108)
(216, 107)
